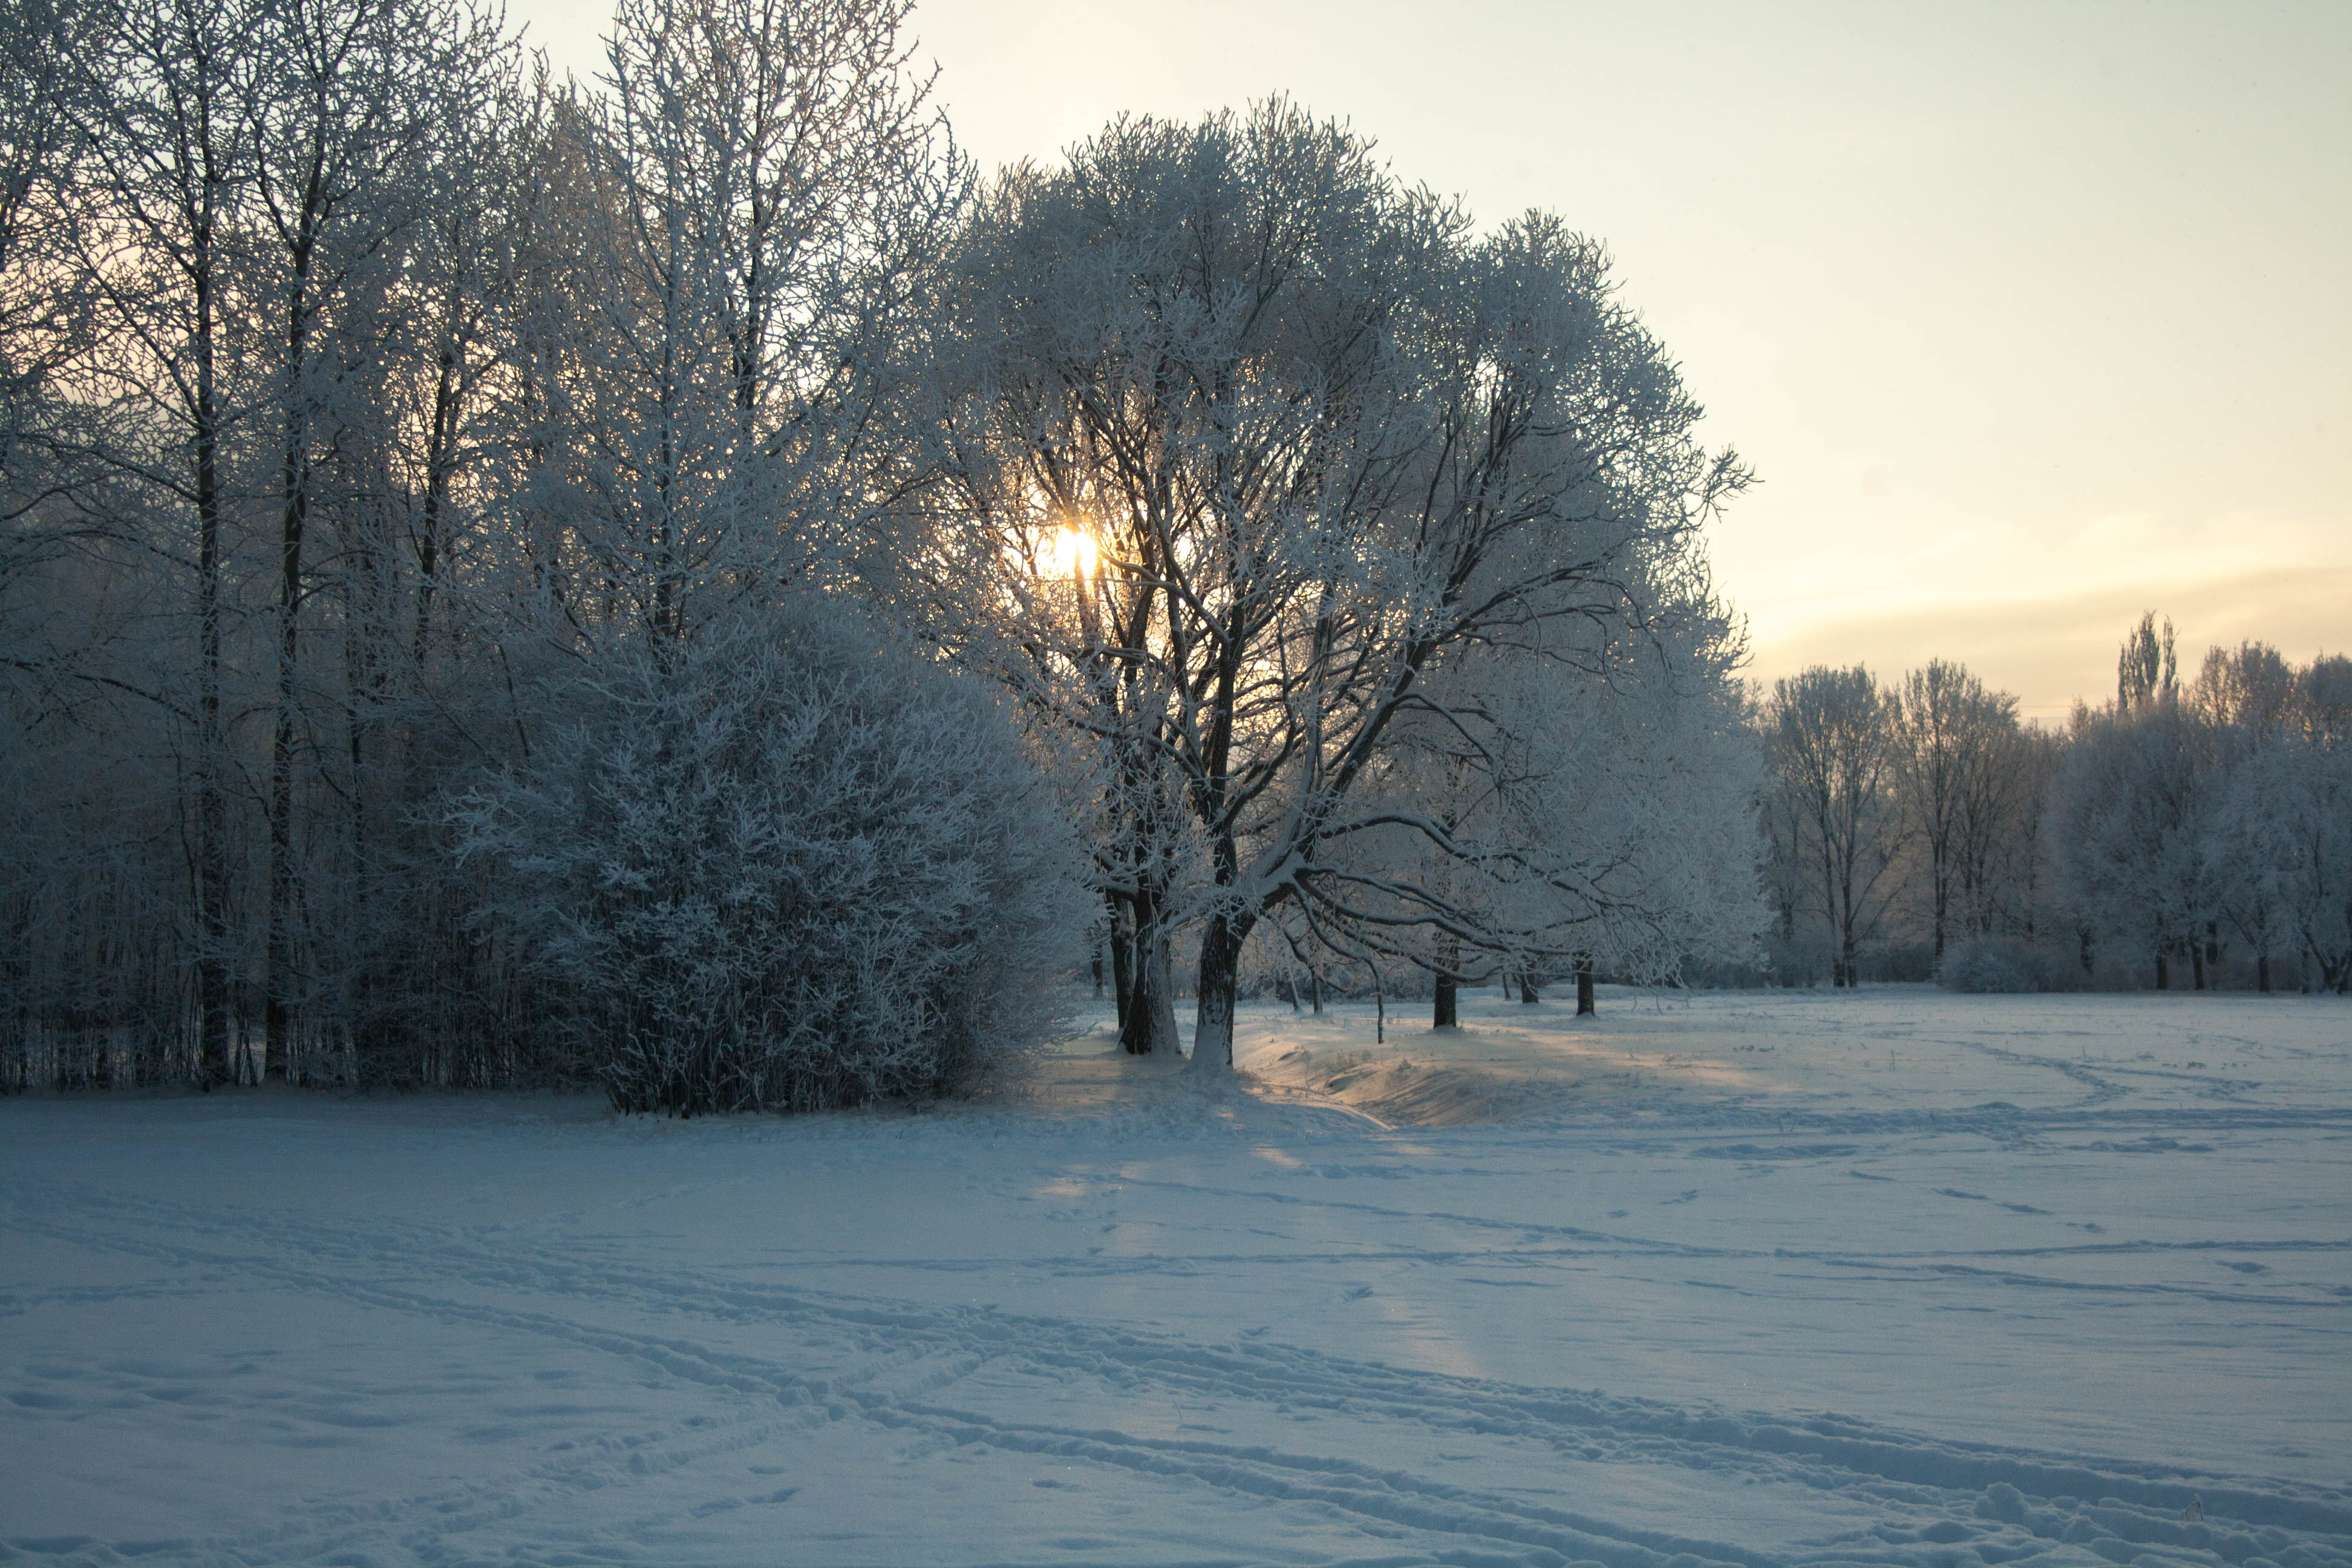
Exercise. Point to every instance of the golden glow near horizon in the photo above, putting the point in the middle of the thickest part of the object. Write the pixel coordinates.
(2029, 318)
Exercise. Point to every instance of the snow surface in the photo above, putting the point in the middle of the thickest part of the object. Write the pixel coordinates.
(1891, 1276)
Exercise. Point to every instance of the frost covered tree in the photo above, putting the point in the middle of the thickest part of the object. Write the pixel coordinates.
(43, 311)
(2279, 854)
(2247, 698)
(1314, 444)
(1601, 815)
(749, 202)
(2189, 820)
(2147, 669)
(400, 384)
(2003, 836)
(789, 864)
(1829, 738)
(160, 256)
(2133, 807)
(344, 109)
(1950, 740)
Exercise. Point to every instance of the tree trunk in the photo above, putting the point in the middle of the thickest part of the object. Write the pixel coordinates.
(1221, 960)
(1943, 895)
(2197, 966)
(1528, 994)
(211, 809)
(1121, 941)
(1161, 1010)
(294, 478)
(1584, 1001)
(1150, 1022)
(2163, 971)
(1445, 1012)
(277, 983)
(2263, 974)
(1315, 986)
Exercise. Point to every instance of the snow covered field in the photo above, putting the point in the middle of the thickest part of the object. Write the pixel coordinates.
(1894, 1277)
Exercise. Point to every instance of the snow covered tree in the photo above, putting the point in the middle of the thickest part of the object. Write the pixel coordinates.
(1601, 815)
(43, 311)
(401, 388)
(161, 258)
(345, 101)
(1828, 734)
(2133, 807)
(1315, 444)
(747, 207)
(1949, 739)
(2278, 855)
(2003, 842)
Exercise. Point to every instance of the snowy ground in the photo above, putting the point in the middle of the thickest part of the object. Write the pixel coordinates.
(1893, 1277)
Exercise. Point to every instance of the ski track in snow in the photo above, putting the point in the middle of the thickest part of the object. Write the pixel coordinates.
(590, 1382)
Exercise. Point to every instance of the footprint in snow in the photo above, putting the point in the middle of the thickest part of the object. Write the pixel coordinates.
(1684, 1198)
(1980, 1197)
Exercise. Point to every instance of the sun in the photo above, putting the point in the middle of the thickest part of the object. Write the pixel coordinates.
(1071, 553)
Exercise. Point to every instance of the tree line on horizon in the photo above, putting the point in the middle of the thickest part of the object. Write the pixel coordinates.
(2196, 833)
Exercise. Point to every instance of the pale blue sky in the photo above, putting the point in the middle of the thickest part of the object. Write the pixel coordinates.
(2030, 316)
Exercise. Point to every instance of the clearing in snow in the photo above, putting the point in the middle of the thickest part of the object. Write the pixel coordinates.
(1891, 1277)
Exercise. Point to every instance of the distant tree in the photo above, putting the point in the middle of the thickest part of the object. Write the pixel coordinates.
(2278, 853)
(1949, 743)
(2134, 805)
(1828, 736)
(2147, 670)
(2004, 835)
(2246, 697)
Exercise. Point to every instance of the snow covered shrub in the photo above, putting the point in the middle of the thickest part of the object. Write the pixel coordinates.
(1990, 965)
(786, 866)
(1985, 967)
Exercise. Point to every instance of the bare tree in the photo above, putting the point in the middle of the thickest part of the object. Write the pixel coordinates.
(163, 254)
(1949, 743)
(1828, 735)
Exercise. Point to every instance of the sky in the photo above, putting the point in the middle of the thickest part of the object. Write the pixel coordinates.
(2029, 317)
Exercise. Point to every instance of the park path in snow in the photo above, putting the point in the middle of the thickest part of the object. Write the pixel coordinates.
(1894, 1277)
